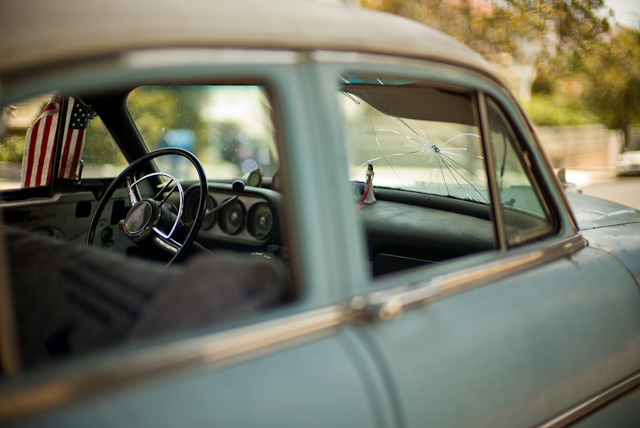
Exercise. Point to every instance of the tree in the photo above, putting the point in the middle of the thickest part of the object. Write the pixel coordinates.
(500, 26)
(546, 39)
(611, 74)
(576, 23)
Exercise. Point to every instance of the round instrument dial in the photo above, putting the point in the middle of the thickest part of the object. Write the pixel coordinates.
(231, 218)
(191, 208)
(260, 220)
(209, 220)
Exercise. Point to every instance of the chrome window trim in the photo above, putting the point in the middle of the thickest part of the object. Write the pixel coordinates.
(172, 358)
(391, 303)
(523, 155)
(490, 168)
(176, 57)
(594, 403)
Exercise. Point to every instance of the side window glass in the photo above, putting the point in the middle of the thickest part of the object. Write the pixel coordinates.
(417, 171)
(16, 121)
(101, 156)
(525, 216)
(229, 127)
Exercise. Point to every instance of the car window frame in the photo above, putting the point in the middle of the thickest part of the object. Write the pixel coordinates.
(480, 268)
(529, 169)
(282, 70)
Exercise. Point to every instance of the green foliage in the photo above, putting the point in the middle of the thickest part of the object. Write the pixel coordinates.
(11, 148)
(611, 74)
(574, 23)
(564, 39)
(500, 26)
(158, 109)
(152, 110)
(549, 110)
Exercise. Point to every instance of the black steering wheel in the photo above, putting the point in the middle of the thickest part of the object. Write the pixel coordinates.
(150, 219)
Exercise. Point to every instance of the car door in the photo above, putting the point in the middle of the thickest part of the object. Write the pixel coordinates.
(296, 365)
(511, 336)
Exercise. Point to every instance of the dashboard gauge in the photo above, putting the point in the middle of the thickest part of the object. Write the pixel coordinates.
(209, 220)
(231, 218)
(260, 220)
(191, 210)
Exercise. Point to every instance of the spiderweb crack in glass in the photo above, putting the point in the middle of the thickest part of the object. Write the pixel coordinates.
(450, 167)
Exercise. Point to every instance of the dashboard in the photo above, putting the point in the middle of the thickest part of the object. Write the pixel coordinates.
(251, 220)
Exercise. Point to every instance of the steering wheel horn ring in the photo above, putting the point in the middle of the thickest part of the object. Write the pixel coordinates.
(150, 218)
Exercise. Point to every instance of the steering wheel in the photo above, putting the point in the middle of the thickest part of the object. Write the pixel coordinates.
(150, 219)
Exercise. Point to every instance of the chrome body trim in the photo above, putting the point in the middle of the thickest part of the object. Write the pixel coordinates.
(167, 359)
(593, 403)
(391, 303)
(143, 59)
(490, 165)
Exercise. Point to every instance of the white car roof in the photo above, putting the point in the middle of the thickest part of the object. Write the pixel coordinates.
(34, 33)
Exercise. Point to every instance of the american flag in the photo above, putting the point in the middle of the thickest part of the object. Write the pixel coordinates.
(41, 139)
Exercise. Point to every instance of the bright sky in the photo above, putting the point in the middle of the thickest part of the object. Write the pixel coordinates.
(627, 12)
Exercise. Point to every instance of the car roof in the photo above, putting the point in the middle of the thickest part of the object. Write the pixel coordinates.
(35, 33)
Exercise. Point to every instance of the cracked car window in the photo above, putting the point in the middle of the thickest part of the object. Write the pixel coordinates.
(417, 171)
(417, 165)
(416, 137)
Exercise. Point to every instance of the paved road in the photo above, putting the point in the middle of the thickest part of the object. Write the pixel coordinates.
(624, 190)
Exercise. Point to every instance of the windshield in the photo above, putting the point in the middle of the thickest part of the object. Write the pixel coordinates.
(228, 127)
(416, 137)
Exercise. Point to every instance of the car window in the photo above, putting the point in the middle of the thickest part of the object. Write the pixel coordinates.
(119, 290)
(101, 156)
(419, 174)
(418, 138)
(524, 214)
(417, 169)
(229, 128)
(91, 152)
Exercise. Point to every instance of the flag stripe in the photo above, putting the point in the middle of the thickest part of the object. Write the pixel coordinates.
(42, 178)
(65, 154)
(41, 138)
(36, 160)
(30, 147)
(79, 147)
(67, 142)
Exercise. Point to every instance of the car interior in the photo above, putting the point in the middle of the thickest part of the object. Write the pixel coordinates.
(164, 176)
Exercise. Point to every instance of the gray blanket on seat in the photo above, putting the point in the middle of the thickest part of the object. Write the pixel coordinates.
(71, 299)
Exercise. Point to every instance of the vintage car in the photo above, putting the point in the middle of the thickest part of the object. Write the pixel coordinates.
(628, 163)
(292, 214)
